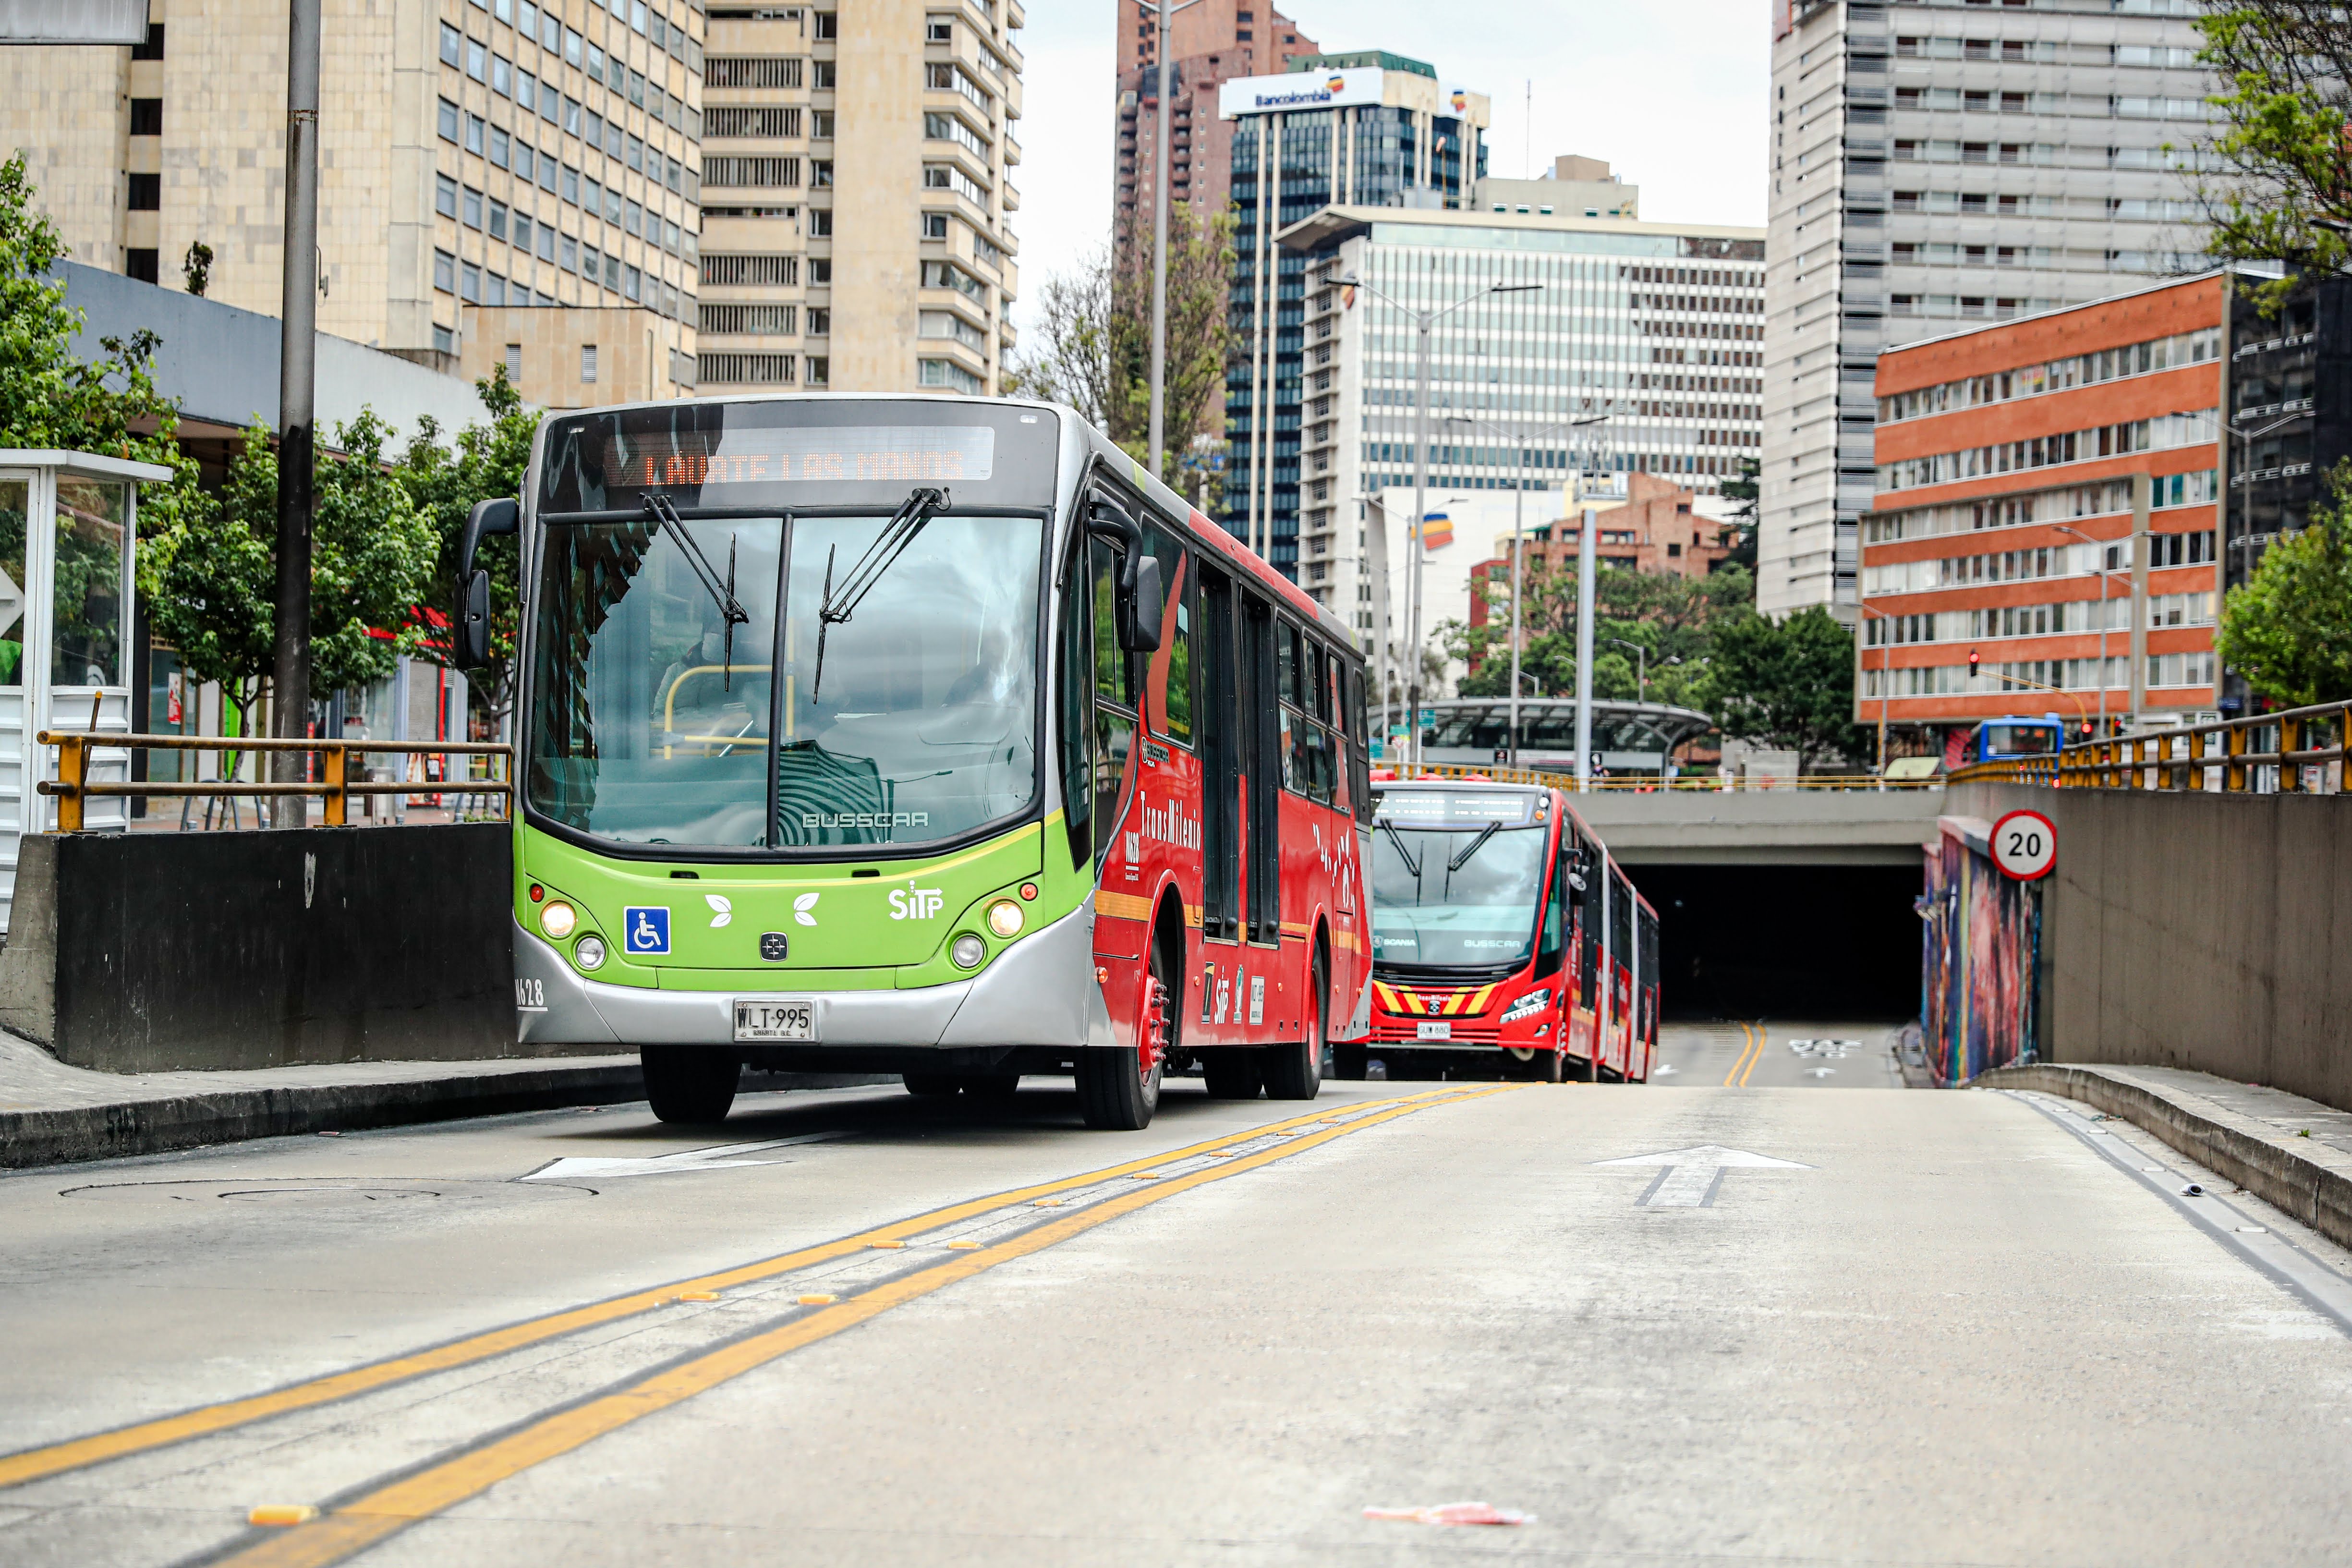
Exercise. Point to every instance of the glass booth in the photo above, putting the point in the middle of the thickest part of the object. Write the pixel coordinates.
(68, 530)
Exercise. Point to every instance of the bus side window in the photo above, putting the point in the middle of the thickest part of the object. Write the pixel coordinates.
(1171, 710)
(1114, 697)
(1359, 758)
(1073, 703)
(1553, 946)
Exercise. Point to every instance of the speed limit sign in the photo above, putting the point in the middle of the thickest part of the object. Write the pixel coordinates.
(2024, 846)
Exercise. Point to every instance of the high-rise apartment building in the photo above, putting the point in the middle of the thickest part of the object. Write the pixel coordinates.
(1211, 43)
(1363, 131)
(857, 197)
(1660, 326)
(482, 163)
(1935, 162)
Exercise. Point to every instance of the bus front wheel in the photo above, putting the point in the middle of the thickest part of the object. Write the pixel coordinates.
(690, 1084)
(1118, 1086)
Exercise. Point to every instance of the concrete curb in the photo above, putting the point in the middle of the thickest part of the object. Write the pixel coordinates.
(75, 1133)
(2309, 1186)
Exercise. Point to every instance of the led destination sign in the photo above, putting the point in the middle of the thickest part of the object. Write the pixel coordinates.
(852, 454)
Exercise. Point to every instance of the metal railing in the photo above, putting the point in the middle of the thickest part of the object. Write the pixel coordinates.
(1652, 783)
(2286, 752)
(335, 784)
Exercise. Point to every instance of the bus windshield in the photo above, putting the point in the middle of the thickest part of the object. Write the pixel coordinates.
(671, 704)
(1463, 895)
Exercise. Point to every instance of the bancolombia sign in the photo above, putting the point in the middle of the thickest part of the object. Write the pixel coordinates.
(1299, 89)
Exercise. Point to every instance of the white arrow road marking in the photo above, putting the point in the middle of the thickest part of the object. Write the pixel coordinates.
(1664, 1070)
(724, 1157)
(1691, 1175)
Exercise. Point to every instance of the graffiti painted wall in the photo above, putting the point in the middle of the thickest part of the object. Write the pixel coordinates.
(1981, 947)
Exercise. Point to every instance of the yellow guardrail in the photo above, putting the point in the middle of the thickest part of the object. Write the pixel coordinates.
(334, 785)
(1650, 783)
(2232, 756)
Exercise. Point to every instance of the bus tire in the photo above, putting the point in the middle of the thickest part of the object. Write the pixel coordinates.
(930, 1085)
(1231, 1075)
(690, 1084)
(1118, 1086)
(1294, 1071)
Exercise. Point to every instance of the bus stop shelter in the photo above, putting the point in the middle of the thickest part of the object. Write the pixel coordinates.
(68, 535)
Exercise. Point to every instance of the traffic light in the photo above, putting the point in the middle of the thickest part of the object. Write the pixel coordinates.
(1972, 664)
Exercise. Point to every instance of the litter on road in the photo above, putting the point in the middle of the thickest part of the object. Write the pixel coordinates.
(1453, 1513)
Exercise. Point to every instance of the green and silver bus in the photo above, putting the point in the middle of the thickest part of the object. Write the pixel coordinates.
(919, 735)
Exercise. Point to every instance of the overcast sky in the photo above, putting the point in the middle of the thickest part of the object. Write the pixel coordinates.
(1671, 93)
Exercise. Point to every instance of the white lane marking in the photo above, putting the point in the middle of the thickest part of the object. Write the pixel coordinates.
(1664, 1070)
(1692, 1175)
(2321, 1287)
(723, 1157)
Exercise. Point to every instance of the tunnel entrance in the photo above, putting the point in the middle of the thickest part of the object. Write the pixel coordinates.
(1789, 942)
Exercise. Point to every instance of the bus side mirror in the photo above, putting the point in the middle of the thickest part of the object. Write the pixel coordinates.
(474, 623)
(503, 515)
(1142, 602)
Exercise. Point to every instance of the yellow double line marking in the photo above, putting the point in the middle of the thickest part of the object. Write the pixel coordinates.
(357, 1525)
(36, 1464)
(1751, 1051)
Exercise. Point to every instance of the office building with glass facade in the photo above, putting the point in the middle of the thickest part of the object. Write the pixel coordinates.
(1657, 326)
(1369, 131)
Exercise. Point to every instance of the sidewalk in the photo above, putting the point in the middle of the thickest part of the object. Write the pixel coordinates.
(2291, 1153)
(52, 1115)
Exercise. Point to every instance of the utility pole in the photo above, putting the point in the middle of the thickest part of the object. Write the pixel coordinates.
(298, 350)
(1588, 547)
(1160, 252)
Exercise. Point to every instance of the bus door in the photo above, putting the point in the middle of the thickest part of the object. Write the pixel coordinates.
(1588, 953)
(1221, 764)
(1260, 721)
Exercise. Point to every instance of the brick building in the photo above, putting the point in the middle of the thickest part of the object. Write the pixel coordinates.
(2028, 473)
(1213, 42)
(1659, 529)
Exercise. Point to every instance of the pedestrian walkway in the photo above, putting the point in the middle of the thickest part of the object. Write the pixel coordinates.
(51, 1113)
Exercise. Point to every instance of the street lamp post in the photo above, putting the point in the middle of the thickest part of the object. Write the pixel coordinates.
(1422, 321)
(1160, 252)
(2100, 545)
(1523, 434)
(1641, 668)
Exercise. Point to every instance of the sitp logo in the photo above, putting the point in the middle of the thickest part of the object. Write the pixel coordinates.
(916, 903)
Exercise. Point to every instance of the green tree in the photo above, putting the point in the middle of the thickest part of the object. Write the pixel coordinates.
(1786, 683)
(212, 595)
(1747, 489)
(2285, 69)
(2288, 630)
(371, 561)
(1673, 618)
(49, 398)
(486, 463)
(1092, 347)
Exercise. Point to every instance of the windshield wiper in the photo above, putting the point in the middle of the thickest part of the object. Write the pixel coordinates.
(1462, 859)
(840, 603)
(663, 511)
(1411, 864)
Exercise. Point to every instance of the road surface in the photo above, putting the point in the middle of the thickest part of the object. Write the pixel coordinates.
(1874, 1327)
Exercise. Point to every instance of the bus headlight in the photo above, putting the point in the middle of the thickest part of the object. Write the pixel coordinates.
(1005, 919)
(557, 920)
(967, 950)
(590, 952)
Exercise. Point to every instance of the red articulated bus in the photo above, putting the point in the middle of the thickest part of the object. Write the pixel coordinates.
(1505, 940)
(1229, 805)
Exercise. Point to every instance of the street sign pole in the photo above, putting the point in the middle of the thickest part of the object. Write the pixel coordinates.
(297, 368)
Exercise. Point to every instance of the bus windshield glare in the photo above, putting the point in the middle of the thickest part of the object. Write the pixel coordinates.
(1456, 879)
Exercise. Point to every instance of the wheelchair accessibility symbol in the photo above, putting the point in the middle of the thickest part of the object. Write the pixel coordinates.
(644, 929)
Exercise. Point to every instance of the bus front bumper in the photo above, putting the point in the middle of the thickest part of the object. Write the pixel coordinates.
(1039, 992)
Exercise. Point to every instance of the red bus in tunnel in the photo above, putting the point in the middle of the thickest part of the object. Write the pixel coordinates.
(1505, 940)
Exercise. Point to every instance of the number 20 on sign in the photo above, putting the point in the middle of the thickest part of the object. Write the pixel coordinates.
(2024, 846)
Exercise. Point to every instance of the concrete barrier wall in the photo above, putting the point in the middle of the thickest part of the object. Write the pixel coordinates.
(2199, 930)
(149, 951)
